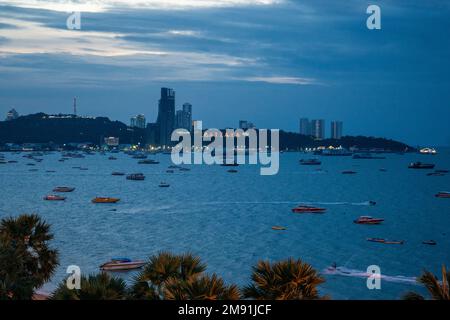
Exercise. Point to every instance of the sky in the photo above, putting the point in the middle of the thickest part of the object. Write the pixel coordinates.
(270, 62)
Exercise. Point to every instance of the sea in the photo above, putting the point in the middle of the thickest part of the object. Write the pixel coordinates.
(227, 218)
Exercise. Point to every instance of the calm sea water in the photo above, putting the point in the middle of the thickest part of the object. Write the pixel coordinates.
(226, 218)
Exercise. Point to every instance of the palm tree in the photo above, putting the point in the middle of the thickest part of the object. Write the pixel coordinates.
(438, 290)
(94, 287)
(150, 283)
(284, 280)
(26, 260)
(202, 288)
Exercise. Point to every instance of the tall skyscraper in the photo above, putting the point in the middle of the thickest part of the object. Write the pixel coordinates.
(187, 121)
(318, 129)
(305, 127)
(166, 116)
(336, 129)
(179, 119)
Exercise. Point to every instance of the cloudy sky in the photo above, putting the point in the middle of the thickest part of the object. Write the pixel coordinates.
(267, 61)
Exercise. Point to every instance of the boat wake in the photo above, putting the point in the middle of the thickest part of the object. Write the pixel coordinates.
(343, 271)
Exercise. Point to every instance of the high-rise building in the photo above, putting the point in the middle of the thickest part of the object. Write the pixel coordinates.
(166, 116)
(11, 115)
(318, 129)
(305, 127)
(183, 117)
(187, 120)
(179, 119)
(138, 121)
(336, 129)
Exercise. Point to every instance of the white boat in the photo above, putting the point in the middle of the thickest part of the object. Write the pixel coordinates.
(118, 264)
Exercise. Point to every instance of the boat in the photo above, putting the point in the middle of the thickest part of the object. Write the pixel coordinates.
(430, 242)
(164, 185)
(105, 200)
(136, 176)
(348, 172)
(150, 161)
(367, 156)
(368, 220)
(278, 228)
(118, 264)
(232, 171)
(53, 197)
(112, 158)
(443, 194)
(310, 162)
(385, 241)
(340, 152)
(308, 209)
(169, 171)
(435, 174)
(420, 165)
(429, 151)
(173, 167)
(63, 189)
(115, 173)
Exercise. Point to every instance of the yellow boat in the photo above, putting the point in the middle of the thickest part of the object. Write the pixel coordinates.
(105, 200)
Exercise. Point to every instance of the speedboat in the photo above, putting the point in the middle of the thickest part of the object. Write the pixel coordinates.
(63, 189)
(53, 197)
(420, 165)
(105, 200)
(136, 176)
(308, 209)
(278, 228)
(310, 162)
(112, 158)
(385, 241)
(117, 173)
(164, 185)
(435, 174)
(443, 194)
(232, 171)
(348, 172)
(118, 264)
(430, 242)
(368, 220)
